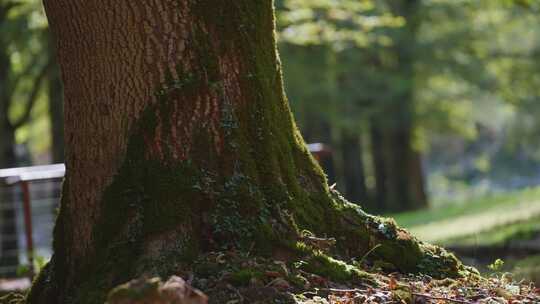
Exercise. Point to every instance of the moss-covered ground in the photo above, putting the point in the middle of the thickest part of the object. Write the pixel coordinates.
(314, 277)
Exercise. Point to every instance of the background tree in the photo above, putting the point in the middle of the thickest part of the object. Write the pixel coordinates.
(56, 106)
(20, 80)
(439, 78)
(371, 45)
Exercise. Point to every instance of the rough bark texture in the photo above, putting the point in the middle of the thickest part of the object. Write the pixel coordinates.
(179, 140)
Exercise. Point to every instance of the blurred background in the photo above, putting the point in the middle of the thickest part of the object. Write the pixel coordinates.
(425, 111)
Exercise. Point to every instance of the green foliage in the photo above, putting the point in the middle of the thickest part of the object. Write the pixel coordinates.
(496, 265)
(466, 67)
(340, 24)
(24, 40)
(39, 263)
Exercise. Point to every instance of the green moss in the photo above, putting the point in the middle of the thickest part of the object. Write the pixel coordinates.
(333, 269)
(243, 277)
(206, 269)
(439, 263)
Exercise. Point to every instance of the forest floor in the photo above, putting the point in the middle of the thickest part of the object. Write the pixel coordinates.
(479, 231)
(237, 278)
(232, 277)
(292, 283)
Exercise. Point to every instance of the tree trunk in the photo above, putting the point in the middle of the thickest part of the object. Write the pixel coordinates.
(417, 187)
(353, 168)
(406, 184)
(398, 167)
(7, 132)
(325, 136)
(318, 130)
(399, 175)
(379, 166)
(406, 158)
(179, 140)
(9, 255)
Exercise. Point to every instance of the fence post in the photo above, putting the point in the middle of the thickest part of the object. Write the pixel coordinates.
(27, 209)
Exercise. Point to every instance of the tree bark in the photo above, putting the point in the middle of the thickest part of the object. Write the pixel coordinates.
(180, 140)
(353, 168)
(379, 166)
(417, 186)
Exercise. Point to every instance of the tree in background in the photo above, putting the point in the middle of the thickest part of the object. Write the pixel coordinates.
(408, 79)
(399, 174)
(21, 80)
(56, 106)
(466, 93)
(369, 86)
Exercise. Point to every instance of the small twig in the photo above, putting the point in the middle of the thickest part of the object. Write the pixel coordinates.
(335, 290)
(368, 253)
(440, 298)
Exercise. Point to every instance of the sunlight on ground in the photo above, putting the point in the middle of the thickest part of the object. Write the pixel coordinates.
(475, 223)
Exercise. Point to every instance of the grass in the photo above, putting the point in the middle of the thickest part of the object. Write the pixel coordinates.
(500, 221)
(528, 269)
(500, 236)
(492, 218)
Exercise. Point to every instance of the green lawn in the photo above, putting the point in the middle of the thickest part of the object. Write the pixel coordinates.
(497, 220)
(501, 235)
(528, 269)
(484, 220)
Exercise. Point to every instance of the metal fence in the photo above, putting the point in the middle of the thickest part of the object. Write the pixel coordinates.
(29, 198)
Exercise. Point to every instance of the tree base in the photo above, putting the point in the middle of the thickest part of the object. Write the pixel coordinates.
(360, 244)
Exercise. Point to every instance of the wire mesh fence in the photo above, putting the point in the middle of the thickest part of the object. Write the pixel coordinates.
(29, 199)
